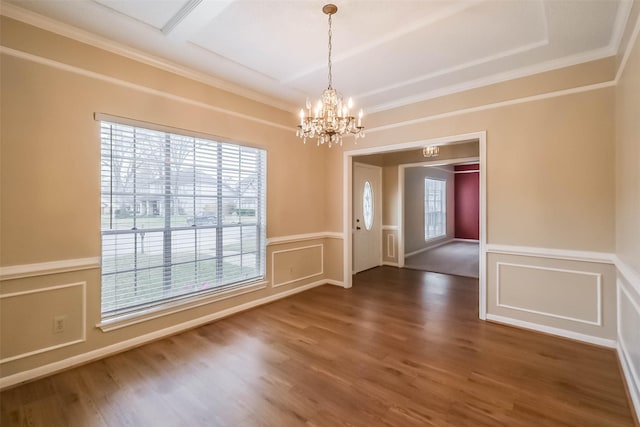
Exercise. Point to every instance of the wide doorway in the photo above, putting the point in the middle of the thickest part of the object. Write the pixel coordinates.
(442, 218)
(390, 247)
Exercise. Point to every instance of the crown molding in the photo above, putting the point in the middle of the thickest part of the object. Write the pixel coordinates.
(176, 19)
(69, 31)
(622, 18)
(632, 42)
(34, 19)
(459, 67)
(621, 23)
(483, 60)
(491, 106)
(134, 86)
(556, 64)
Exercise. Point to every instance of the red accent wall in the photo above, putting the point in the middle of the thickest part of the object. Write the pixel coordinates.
(467, 203)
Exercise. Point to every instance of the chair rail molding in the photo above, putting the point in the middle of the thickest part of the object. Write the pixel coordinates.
(50, 267)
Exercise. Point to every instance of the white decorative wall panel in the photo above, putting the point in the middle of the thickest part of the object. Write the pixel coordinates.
(295, 264)
(555, 292)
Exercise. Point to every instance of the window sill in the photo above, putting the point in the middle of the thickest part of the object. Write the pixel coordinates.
(129, 319)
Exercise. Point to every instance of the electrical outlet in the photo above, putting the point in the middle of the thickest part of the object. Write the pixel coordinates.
(59, 324)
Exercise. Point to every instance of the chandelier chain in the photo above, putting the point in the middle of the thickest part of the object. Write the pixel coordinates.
(330, 46)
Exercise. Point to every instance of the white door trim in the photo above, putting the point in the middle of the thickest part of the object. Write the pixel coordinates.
(347, 180)
(377, 208)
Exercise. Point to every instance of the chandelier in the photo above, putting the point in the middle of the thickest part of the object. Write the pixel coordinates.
(331, 118)
(431, 151)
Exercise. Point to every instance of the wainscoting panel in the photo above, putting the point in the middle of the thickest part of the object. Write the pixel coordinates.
(535, 289)
(22, 336)
(629, 338)
(295, 264)
(389, 245)
(556, 294)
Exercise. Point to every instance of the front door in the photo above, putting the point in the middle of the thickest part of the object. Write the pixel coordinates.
(367, 216)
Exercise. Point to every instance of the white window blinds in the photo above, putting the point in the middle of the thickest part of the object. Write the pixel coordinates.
(181, 216)
(435, 208)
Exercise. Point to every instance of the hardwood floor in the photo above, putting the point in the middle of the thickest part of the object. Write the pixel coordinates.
(401, 348)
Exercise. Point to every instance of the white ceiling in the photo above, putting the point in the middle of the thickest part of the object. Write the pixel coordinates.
(385, 53)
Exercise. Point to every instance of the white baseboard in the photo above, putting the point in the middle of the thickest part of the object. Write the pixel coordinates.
(335, 283)
(419, 251)
(80, 359)
(467, 240)
(632, 385)
(604, 342)
(435, 245)
(391, 264)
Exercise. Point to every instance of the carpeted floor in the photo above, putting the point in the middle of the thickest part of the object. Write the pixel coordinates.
(457, 258)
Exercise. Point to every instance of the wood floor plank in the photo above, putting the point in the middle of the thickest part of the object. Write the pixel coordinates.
(400, 348)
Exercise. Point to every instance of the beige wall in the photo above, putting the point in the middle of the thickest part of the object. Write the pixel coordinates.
(49, 189)
(414, 206)
(390, 214)
(390, 195)
(628, 162)
(565, 78)
(534, 197)
(550, 177)
(627, 136)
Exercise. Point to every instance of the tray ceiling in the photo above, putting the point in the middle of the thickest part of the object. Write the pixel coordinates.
(385, 53)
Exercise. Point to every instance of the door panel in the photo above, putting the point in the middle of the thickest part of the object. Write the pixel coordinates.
(367, 216)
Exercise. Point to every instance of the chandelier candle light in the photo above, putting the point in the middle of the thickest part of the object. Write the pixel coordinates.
(331, 118)
(431, 151)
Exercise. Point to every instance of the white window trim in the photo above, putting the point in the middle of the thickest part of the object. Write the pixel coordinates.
(172, 307)
(442, 236)
(144, 314)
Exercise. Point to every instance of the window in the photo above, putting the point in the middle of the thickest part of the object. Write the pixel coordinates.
(435, 208)
(181, 216)
(367, 205)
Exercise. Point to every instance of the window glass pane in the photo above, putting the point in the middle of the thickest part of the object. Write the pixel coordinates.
(145, 252)
(207, 277)
(184, 278)
(171, 213)
(206, 243)
(232, 266)
(367, 205)
(249, 239)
